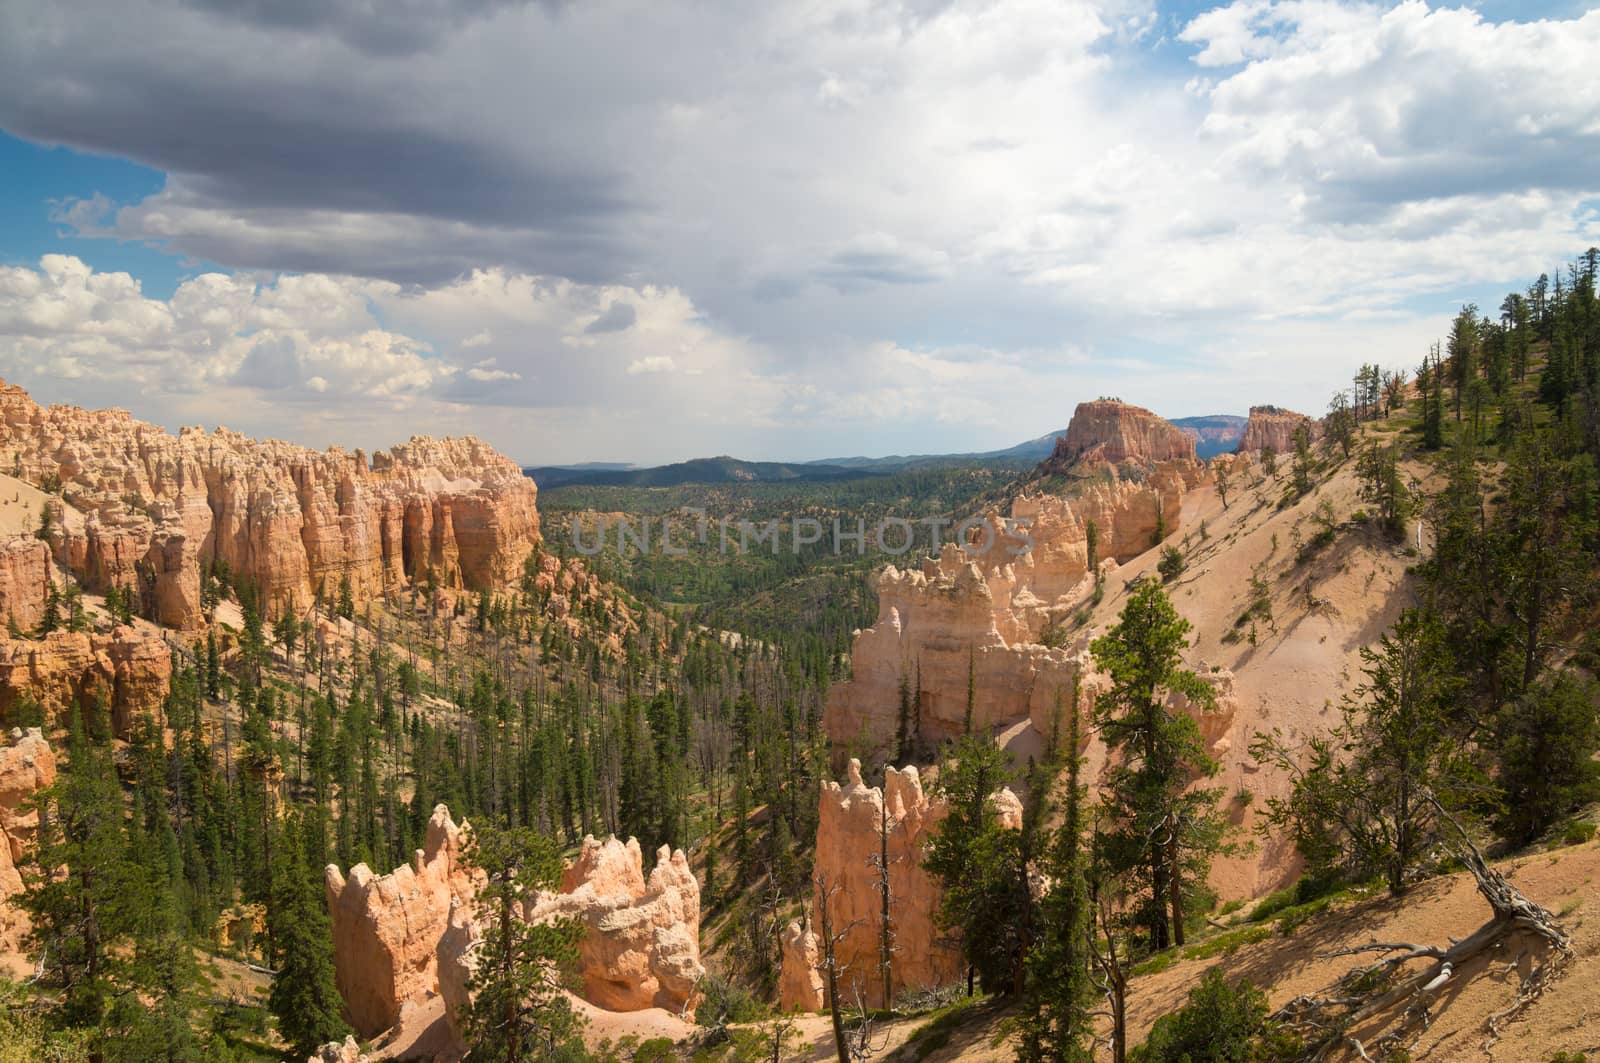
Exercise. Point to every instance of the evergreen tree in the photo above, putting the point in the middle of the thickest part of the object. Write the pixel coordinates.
(518, 1010)
(1057, 1026)
(1165, 832)
(304, 997)
(1545, 742)
(1361, 802)
(976, 858)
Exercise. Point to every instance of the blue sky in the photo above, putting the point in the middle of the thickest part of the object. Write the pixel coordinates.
(858, 226)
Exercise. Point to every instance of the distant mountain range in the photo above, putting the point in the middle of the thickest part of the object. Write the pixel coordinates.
(1214, 434)
(718, 470)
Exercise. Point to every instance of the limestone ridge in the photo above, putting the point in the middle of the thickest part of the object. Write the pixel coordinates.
(291, 520)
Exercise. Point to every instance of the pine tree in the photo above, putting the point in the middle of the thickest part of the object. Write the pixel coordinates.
(1166, 832)
(304, 996)
(518, 1010)
(977, 858)
(1361, 802)
(82, 919)
(1057, 1027)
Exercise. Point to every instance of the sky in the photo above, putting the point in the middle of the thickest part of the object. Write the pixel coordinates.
(595, 230)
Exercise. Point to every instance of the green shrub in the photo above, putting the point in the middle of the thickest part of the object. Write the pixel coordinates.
(1577, 832)
(1219, 1024)
(1172, 564)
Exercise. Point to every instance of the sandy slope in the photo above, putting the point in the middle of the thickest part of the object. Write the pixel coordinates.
(1325, 609)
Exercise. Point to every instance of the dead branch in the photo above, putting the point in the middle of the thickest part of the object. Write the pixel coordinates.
(1371, 990)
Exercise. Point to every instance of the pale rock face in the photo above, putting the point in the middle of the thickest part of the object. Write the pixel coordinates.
(800, 984)
(336, 1052)
(641, 945)
(406, 935)
(850, 835)
(1116, 432)
(24, 581)
(1273, 428)
(290, 519)
(987, 612)
(131, 666)
(386, 929)
(27, 765)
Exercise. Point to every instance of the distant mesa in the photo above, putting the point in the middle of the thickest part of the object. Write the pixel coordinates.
(1273, 428)
(1110, 431)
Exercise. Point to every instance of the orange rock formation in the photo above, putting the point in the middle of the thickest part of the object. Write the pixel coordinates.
(289, 519)
(1114, 432)
(386, 927)
(850, 838)
(24, 581)
(988, 612)
(27, 766)
(130, 666)
(1274, 428)
(401, 937)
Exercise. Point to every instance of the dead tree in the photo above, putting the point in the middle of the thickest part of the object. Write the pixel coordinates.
(863, 1041)
(831, 967)
(1378, 990)
(1108, 969)
(881, 863)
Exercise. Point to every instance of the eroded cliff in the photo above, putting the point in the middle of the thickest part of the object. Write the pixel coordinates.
(292, 521)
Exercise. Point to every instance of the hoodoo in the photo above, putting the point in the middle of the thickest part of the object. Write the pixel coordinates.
(293, 521)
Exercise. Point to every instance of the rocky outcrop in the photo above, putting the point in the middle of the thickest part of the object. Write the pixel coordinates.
(386, 928)
(640, 947)
(1273, 428)
(987, 612)
(346, 1051)
(130, 667)
(1114, 432)
(800, 984)
(24, 582)
(291, 520)
(27, 765)
(641, 937)
(641, 942)
(855, 821)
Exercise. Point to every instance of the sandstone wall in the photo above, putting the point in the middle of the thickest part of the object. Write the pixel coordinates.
(850, 833)
(130, 667)
(1272, 427)
(289, 519)
(24, 581)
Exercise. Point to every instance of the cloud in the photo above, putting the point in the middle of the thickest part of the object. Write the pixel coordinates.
(615, 318)
(821, 214)
(655, 363)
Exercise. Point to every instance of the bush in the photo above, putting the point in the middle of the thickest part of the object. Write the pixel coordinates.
(1219, 1024)
(724, 1002)
(1577, 832)
(1171, 564)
